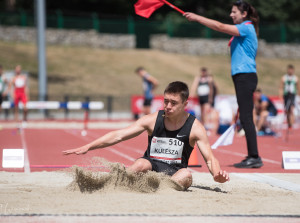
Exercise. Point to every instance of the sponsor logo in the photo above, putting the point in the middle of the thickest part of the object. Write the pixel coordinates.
(179, 136)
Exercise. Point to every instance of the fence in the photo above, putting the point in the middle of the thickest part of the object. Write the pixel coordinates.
(282, 33)
(70, 106)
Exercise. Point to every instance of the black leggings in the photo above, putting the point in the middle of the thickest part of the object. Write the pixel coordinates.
(245, 84)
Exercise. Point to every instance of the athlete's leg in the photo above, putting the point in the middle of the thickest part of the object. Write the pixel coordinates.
(24, 101)
(290, 116)
(16, 109)
(183, 177)
(147, 109)
(206, 108)
(140, 165)
(262, 119)
(1, 100)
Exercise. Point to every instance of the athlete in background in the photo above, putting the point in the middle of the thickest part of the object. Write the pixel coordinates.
(263, 108)
(19, 83)
(3, 83)
(149, 84)
(203, 86)
(289, 87)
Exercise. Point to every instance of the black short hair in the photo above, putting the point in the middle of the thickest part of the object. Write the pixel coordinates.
(138, 69)
(204, 69)
(290, 66)
(178, 87)
(258, 90)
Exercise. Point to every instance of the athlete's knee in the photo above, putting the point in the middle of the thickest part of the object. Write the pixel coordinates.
(140, 165)
(183, 177)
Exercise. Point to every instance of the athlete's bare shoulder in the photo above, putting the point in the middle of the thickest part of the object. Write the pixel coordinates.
(197, 130)
(148, 121)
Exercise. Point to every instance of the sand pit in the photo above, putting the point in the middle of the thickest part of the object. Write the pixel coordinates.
(84, 192)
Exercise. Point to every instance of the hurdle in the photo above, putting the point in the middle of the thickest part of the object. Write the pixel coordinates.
(55, 105)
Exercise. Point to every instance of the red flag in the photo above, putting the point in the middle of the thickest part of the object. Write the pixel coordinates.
(145, 8)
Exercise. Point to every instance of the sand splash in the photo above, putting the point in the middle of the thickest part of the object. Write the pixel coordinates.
(118, 178)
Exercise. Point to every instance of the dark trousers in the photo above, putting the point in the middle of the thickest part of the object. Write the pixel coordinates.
(245, 84)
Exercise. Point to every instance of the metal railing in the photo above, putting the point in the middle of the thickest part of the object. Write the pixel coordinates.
(275, 32)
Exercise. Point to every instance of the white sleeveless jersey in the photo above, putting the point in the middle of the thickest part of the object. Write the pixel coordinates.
(290, 84)
(20, 82)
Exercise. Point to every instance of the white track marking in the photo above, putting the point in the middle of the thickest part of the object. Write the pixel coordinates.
(244, 155)
(89, 138)
(262, 178)
(121, 154)
(24, 145)
(131, 148)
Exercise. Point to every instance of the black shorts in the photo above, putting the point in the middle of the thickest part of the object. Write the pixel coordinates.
(147, 102)
(289, 100)
(1, 99)
(162, 167)
(203, 99)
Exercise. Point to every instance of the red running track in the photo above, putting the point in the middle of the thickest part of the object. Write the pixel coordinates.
(44, 148)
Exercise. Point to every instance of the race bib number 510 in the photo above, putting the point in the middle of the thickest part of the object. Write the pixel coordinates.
(168, 150)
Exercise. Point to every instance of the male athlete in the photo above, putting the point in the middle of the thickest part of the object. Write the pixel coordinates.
(3, 83)
(149, 84)
(289, 87)
(19, 82)
(172, 135)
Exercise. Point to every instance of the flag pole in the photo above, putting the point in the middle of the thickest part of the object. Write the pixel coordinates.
(173, 6)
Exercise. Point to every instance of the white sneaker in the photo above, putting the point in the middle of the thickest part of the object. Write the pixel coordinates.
(241, 132)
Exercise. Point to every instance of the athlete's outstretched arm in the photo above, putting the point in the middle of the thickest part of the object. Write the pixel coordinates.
(114, 137)
(194, 86)
(213, 24)
(198, 135)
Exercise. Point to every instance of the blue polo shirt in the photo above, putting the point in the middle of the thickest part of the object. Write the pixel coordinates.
(243, 49)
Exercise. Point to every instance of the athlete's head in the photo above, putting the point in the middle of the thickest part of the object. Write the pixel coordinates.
(176, 95)
(203, 71)
(242, 11)
(290, 69)
(18, 69)
(257, 94)
(140, 71)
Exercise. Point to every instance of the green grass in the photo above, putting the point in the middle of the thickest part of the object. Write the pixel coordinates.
(90, 71)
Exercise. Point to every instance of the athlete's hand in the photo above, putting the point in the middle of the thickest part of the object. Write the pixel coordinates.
(192, 17)
(78, 151)
(222, 177)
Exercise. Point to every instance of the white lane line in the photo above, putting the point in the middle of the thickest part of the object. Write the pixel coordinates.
(121, 154)
(131, 148)
(244, 155)
(262, 178)
(90, 137)
(24, 145)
